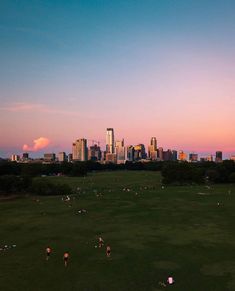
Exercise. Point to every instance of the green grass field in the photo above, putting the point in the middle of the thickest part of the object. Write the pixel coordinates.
(186, 232)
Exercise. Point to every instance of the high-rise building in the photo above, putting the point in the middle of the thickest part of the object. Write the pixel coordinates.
(160, 154)
(129, 153)
(218, 157)
(25, 156)
(120, 151)
(15, 158)
(139, 152)
(49, 157)
(193, 157)
(182, 156)
(79, 150)
(152, 149)
(174, 155)
(94, 153)
(153, 143)
(167, 155)
(62, 157)
(209, 158)
(111, 158)
(110, 141)
(70, 157)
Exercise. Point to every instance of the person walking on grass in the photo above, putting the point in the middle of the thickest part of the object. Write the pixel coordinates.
(48, 252)
(101, 242)
(66, 258)
(108, 251)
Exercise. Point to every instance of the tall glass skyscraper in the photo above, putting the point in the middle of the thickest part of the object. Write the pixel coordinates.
(110, 141)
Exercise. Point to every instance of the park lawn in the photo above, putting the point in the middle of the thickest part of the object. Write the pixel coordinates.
(154, 232)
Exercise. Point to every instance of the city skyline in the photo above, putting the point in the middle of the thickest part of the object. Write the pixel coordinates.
(116, 150)
(145, 68)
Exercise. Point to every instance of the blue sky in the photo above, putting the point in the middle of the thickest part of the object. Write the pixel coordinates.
(145, 68)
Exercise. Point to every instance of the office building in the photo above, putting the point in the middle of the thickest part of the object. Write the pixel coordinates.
(139, 152)
(15, 158)
(182, 156)
(152, 149)
(110, 141)
(193, 157)
(218, 157)
(167, 155)
(174, 155)
(79, 150)
(70, 157)
(129, 153)
(25, 156)
(120, 151)
(94, 153)
(160, 153)
(110, 158)
(62, 157)
(49, 157)
(209, 158)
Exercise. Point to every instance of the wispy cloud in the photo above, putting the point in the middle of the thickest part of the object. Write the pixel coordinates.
(39, 108)
(18, 107)
(39, 144)
(31, 107)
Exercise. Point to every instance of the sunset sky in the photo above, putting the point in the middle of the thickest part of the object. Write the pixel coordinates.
(70, 69)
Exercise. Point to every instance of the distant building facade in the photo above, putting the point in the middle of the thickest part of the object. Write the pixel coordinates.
(193, 157)
(182, 156)
(129, 153)
(218, 157)
(15, 158)
(120, 151)
(110, 141)
(152, 149)
(79, 150)
(139, 152)
(160, 153)
(49, 157)
(111, 158)
(62, 157)
(94, 153)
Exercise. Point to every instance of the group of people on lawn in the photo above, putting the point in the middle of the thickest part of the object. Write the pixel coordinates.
(66, 254)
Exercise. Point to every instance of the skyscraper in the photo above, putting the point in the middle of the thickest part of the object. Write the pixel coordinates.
(153, 143)
(218, 157)
(139, 152)
(120, 151)
(193, 157)
(94, 153)
(110, 141)
(79, 150)
(152, 149)
(160, 154)
(62, 157)
(129, 153)
(182, 156)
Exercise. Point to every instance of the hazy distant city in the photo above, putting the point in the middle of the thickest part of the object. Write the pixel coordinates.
(118, 153)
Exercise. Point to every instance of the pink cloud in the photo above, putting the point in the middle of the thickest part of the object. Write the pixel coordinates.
(39, 144)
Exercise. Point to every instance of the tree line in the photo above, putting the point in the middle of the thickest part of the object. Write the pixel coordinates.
(181, 173)
(20, 177)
